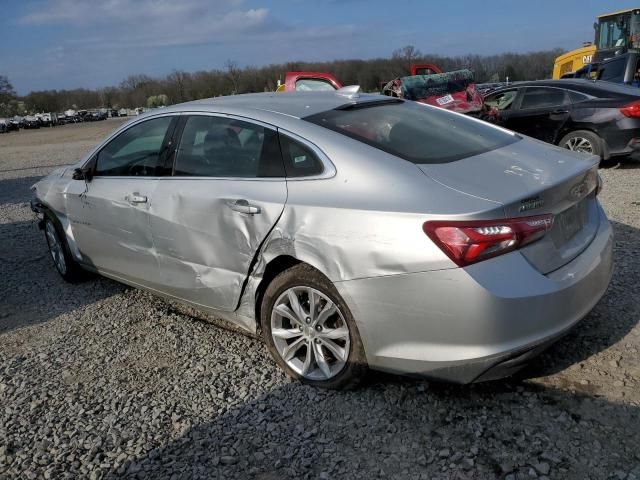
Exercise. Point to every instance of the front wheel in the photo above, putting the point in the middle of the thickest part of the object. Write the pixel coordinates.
(66, 265)
(582, 141)
(309, 330)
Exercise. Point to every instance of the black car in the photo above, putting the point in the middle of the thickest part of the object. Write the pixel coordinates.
(596, 117)
(30, 122)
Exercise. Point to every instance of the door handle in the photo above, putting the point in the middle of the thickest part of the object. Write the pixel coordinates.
(243, 206)
(136, 198)
(559, 112)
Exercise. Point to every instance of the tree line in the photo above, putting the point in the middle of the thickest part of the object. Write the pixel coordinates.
(179, 86)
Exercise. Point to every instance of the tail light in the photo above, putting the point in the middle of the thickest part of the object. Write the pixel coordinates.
(470, 242)
(631, 110)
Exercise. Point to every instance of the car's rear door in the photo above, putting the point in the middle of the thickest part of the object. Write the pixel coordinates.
(110, 214)
(209, 218)
(541, 113)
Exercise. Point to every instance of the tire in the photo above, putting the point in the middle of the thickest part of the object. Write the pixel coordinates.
(318, 344)
(64, 262)
(582, 141)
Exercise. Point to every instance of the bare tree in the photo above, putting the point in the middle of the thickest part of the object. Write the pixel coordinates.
(408, 53)
(181, 86)
(233, 74)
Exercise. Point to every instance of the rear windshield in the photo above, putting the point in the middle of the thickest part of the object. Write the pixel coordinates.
(414, 132)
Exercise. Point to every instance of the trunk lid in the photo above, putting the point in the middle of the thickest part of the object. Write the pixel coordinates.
(531, 178)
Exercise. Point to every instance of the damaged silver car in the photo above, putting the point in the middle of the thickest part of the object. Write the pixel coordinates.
(353, 231)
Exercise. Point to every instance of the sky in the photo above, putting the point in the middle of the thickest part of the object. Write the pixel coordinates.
(63, 44)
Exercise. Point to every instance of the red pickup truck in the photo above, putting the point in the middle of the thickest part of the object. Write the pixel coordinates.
(424, 69)
(308, 81)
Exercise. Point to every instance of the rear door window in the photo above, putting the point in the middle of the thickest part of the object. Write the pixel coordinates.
(213, 146)
(415, 132)
(540, 97)
(577, 97)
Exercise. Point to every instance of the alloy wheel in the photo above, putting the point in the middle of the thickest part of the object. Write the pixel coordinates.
(55, 248)
(310, 333)
(579, 144)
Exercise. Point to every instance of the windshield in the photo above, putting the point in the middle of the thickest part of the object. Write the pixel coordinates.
(612, 32)
(415, 132)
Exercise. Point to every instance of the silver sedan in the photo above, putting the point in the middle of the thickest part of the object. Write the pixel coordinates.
(353, 231)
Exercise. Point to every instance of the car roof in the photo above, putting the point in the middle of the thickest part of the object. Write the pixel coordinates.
(292, 104)
(592, 87)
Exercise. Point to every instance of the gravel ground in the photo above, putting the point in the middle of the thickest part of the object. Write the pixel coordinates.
(99, 380)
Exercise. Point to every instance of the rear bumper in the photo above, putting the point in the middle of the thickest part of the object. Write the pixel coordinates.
(478, 323)
(623, 138)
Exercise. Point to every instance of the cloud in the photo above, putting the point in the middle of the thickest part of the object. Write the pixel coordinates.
(151, 23)
(117, 24)
(130, 11)
(102, 42)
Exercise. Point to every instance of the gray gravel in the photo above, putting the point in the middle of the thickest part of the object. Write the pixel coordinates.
(99, 380)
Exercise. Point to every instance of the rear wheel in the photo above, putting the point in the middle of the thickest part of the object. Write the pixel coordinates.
(309, 330)
(582, 141)
(66, 265)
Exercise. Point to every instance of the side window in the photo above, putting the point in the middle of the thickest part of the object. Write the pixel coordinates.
(299, 160)
(224, 147)
(577, 97)
(613, 71)
(136, 151)
(313, 85)
(538, 97)
(502, 100)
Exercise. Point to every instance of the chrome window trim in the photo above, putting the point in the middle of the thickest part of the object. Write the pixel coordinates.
(229, 115)
(118, 131)
(329, 169)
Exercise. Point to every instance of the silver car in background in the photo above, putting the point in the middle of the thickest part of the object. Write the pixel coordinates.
(353, 231)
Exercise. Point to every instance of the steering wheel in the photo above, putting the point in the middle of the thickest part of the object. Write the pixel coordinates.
(139, 168)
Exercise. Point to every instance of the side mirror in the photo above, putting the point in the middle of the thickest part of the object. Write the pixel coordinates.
(83, 174)
(78, 174)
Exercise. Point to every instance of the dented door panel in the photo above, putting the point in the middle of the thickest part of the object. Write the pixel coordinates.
(204, 242)
(111, 228)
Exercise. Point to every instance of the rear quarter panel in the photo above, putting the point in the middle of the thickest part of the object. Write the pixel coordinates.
(367, 219)
(605, 119)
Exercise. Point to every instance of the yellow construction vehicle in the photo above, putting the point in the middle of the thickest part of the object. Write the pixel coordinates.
(615, 33)
(573, 60)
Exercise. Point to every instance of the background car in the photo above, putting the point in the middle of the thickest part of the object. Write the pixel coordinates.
(599, 118)
(30, 121)
(17, 122)
(453, 90)
(353, 231)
